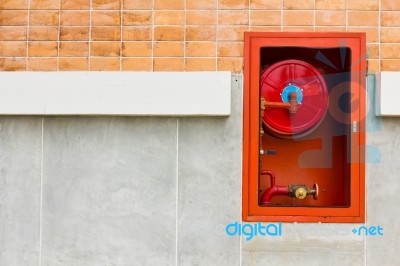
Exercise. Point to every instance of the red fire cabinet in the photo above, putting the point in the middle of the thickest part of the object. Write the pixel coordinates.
(304, 129)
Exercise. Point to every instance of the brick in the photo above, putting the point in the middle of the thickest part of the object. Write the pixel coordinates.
(228, 49)
(45, 4)
(373, 51)
(390, 5)
(330, 4)
(233, 17)
(73, 64)
(12, 64)
(106, 33)
(76, 49)
(13, 18)
(391, 18)
(330, 18)
(136, 49)
(106, 4)
(330, 28)
(169, 49)
(234, 64)
(106, 18)
(390, 65)
(168, 33)
(166, 17)
(170, 4)
(233, 4)
(200, 64)
(12, 48)
(105, 49)
(104, 64)
(265, 18)
(75, 4)
(391, 35)
(200, 33)
(298, 28)
(138, 4)
(266, 4)
(373, 66)
(231, 33)
(296, 4)
(204, 4)
(201, 17)
(13, 4)
(136, 33)
(74, 33)
(43, 33)
(43, 18)
(298, 18)
(371, 32)
(137, 64)
(46, 49)
(42, 64)
(363, 18)
(12, 33)
(390, 51)
(168, 64)
(200, 49)
(363, 4)
(137, 18)
(75, 18)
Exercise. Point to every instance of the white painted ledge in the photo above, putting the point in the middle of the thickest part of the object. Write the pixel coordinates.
(387, 98)
(116, 93)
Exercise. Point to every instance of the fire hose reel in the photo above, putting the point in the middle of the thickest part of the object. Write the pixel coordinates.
(293, 77)
(294, 101)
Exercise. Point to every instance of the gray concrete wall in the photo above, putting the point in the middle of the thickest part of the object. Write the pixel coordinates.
(160, 191)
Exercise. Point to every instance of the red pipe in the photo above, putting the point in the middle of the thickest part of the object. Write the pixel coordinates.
(273, 190)
(271, 175)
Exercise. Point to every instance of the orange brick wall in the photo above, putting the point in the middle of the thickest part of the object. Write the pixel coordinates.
(177, 35)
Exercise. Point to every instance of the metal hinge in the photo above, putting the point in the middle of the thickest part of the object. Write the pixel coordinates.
(354, 127)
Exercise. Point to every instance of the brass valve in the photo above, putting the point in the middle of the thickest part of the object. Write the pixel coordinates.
(302, 191)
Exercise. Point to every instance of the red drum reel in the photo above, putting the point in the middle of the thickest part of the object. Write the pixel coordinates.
(283, 78)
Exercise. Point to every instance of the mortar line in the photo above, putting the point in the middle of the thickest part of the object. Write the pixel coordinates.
(121, 8)
(379, 33)
(241, 182)
(366, 176)
(281, 15)
(27, 36)
(241, 104)
(249, 14)
(365, 188)
(184, 35)
(41, 196)
(347, 16)
(314, 15)
(240, 248)
(216, 38)
(152, 36)
(177, 191)
(90, 34)
(240, 238)
(59, 35)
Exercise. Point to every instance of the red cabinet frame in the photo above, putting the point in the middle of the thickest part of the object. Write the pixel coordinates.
(251, 211)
